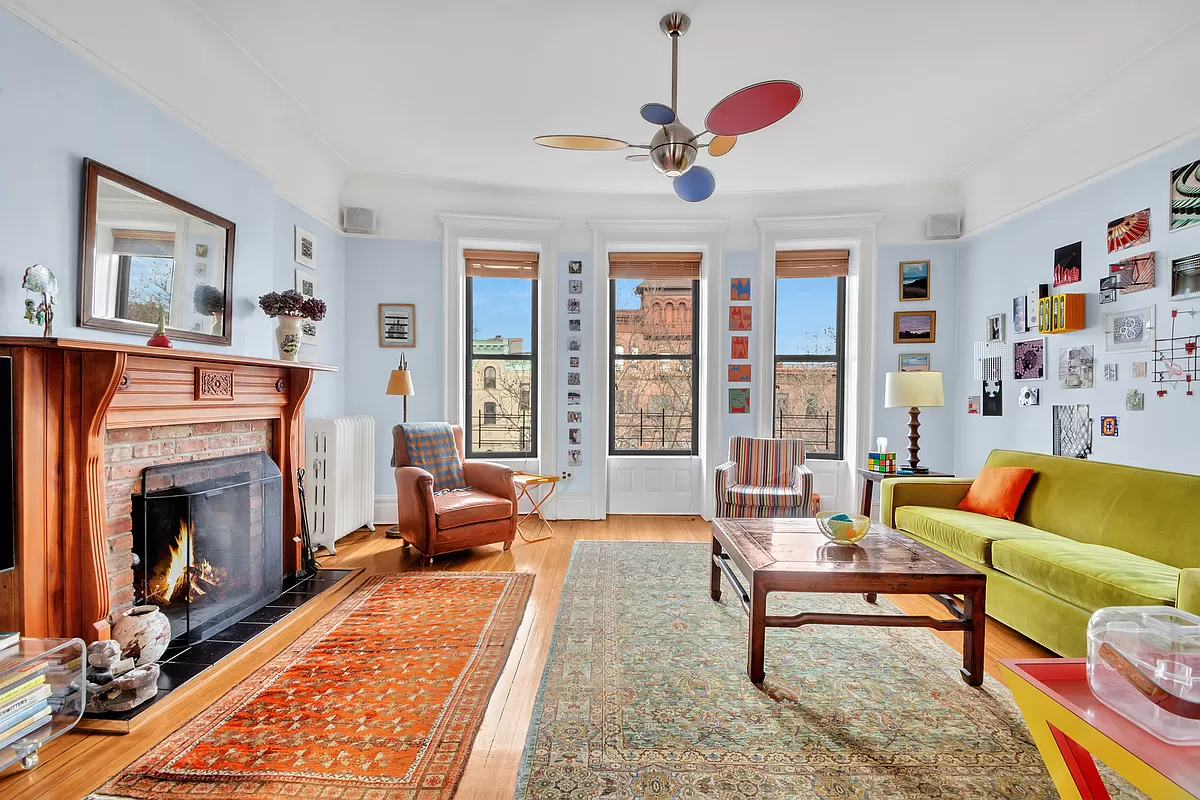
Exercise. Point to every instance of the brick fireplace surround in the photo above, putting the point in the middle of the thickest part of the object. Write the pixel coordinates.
(127, 453)
(89, 417)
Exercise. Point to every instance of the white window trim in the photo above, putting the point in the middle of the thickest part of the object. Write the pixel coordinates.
(617, 235)
(856, 233)
(523, 234)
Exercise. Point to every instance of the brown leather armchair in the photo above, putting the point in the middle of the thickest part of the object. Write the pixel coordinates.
(484, 514)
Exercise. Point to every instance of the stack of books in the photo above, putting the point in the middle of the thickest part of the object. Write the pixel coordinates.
(24, 701)
(881, 462)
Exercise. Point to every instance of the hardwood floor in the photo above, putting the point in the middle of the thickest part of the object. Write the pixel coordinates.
(76, 764)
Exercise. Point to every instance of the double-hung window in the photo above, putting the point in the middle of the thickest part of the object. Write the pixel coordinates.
(810, 348)
(501, 358)
(653, 353)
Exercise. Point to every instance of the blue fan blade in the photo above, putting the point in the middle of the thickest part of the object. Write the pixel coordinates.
(658, 114)
(695, 185)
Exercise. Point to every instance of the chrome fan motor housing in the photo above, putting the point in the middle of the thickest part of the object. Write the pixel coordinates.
(671, 150)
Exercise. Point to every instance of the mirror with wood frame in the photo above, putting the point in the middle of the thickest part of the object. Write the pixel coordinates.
(147, 254)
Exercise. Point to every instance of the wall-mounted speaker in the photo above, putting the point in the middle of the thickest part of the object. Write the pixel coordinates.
(358, 220)
(943, 226)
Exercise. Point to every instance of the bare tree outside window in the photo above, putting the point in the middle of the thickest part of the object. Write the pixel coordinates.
(810, 362)
(653, 366)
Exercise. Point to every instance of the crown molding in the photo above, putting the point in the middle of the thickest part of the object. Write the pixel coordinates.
(495, 223)
(658, 225)
(866, 219)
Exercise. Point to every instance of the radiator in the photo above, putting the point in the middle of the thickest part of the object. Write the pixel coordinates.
(339, 480)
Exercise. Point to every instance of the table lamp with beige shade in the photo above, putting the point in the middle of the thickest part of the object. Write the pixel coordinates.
(400, 383)
(914, 390)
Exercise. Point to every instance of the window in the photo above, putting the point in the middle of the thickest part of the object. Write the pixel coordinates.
(653, 354)
(501, 359)
(810, 348)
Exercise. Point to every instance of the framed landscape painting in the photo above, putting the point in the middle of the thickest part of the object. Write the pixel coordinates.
(914, 362)
(914, 280)
(914, 327)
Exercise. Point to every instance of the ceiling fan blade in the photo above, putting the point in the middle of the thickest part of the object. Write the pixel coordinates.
(638, 157)
(695, 185)
(720, 145)
(658, 114)
(753, 108)
(572, 142)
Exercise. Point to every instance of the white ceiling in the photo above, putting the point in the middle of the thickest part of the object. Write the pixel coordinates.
(895, 92)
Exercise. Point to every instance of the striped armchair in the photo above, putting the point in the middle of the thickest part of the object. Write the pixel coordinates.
(765, 478)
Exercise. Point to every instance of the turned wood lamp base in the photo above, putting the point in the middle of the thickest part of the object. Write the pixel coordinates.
(914, 440)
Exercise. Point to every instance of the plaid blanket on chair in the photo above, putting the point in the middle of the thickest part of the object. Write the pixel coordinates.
(431, 447)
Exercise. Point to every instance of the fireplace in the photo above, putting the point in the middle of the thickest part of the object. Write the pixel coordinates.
(208, 541)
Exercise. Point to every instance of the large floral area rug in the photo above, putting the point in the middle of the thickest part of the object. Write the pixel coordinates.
(379, 700)
(645, 696)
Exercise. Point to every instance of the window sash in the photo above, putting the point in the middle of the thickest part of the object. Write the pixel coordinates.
(472, 357)
(615, 358)
(838, 358)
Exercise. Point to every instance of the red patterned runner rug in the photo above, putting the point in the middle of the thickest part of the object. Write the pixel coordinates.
(380, 700)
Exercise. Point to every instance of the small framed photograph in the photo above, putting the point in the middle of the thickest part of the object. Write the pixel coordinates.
(201, 269)
(739, 290)
(914, 280)
(1029, 360)
(397, 325)
(739, 373)
(574, 267)
(306, 283)
(201, 251)
(995, 328)
(574, 458)
(575, 287)
(574, 398)
(572, 379)
(574, 416)
(574, 325)
(574, 362)
(1185, 277)
(739, 347)
(573, 305)
(914, 362)
(740, 318)
(310, 330)
(306, 248)
(914, 327)
(574, 343)
(575, 435)
(1129, 331)
(1018, 315)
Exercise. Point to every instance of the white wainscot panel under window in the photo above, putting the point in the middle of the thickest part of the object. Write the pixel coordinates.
(827, 476)
(654, 485)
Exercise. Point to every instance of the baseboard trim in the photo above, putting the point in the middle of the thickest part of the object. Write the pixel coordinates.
(577, 505)
(385, 509)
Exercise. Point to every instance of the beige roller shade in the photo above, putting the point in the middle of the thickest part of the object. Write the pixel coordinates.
(501, 264)
(654, 265)
(812, 263)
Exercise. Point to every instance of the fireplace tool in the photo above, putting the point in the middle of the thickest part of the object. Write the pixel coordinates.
(308, 558)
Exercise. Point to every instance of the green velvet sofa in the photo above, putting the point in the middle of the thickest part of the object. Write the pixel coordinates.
(1087, 535)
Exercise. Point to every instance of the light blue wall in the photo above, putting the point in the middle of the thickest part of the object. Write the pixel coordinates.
(1001, 263)
(56, 110)
(393, 271)
(937, 424)
(327, 396)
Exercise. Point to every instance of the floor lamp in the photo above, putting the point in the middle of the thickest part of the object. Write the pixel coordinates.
(400, 383)
(913, 390)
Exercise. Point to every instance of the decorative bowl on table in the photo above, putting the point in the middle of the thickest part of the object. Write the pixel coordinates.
(842, 527)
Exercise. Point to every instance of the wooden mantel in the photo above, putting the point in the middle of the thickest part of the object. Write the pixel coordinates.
(66, 395)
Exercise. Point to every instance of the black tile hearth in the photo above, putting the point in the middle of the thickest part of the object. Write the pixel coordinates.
(181, 662)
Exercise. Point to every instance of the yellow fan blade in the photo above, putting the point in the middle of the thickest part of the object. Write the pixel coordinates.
(720, 145)
(581, 142)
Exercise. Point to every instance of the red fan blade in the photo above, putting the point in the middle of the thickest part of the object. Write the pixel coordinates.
(753, 108)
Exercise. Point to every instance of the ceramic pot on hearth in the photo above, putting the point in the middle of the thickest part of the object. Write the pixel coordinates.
(288, 334)
(143, 633)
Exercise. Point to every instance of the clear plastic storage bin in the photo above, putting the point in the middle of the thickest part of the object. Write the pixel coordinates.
(1144, 663)
(41, 696)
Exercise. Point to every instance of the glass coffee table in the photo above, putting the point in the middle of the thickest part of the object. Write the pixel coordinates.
(760, 556)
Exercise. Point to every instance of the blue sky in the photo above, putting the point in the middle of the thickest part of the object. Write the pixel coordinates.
(806, 307)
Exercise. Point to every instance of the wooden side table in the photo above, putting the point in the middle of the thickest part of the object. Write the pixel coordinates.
(870, 478)
(1070, 726)
(524, 481)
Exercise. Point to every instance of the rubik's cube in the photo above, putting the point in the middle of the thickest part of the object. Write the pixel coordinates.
(881, 462)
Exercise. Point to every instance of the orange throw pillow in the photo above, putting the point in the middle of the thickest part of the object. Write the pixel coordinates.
(997, 491)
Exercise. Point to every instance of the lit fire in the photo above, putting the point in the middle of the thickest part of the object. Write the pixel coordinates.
(184, 579)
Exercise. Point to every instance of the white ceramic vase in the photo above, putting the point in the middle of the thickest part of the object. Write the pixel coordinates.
(143, 633)
(288, 334)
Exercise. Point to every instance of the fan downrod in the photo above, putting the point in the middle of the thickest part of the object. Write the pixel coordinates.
(675, 24)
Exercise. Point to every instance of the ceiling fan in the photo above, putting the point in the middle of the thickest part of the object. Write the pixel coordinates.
(673, 148)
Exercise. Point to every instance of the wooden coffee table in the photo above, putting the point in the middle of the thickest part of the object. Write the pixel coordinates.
(791, 555)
